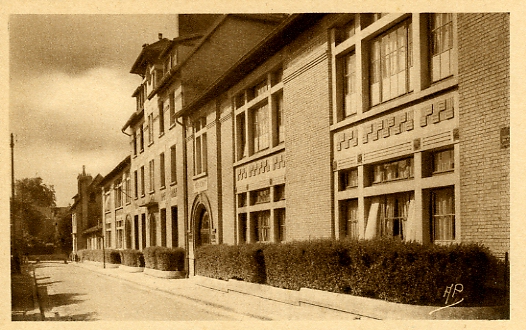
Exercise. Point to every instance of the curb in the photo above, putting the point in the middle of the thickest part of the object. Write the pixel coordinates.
(37, 313)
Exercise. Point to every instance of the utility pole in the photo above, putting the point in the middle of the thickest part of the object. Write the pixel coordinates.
(15, 261)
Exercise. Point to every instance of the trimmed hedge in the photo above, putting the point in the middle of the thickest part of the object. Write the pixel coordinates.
(112, 256)
(392, 270)
(132, 258)
(163, 258)
(242, 262)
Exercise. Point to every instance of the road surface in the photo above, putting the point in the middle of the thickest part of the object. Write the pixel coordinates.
(70, 293)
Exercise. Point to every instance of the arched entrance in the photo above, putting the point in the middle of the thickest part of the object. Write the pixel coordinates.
(202, 232)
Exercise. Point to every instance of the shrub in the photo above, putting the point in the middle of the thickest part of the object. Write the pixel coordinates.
(149, 257)
(404, 272)
(169, 259)
(388, 269)
(163, 258)
(112, 256)
(242, 262)
(132, 258)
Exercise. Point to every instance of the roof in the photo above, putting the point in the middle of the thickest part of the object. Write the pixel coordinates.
(287, 31)
(134, 118)
(93, 229)
(149, 54)
(119, 168)
(270, 19)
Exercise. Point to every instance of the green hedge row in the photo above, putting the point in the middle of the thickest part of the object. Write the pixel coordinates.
(112, 256)
(132, 258)
(243, 262)
(163, 258)
(392, 270)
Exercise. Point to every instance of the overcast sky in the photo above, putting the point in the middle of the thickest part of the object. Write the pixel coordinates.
(70, 92)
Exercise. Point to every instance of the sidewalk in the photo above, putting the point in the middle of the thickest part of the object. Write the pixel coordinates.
(24, 300)
(248, 307)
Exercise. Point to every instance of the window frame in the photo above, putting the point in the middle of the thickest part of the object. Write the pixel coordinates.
(450, 234)
(200, 147)
(152, 175)
(446, 54)
(173, 164)
(385, 63)
(162, 170)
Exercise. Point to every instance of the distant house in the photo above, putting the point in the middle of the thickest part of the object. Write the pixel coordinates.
(86, 213)
(116, 196)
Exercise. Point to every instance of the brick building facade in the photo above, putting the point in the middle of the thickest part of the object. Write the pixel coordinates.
(329, 125)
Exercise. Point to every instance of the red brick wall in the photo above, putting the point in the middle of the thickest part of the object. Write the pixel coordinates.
(484, 82)
(307, 143)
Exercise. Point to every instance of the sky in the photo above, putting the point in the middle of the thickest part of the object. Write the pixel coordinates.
(70, 92)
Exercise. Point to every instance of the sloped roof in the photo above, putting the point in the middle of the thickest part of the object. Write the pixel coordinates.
(149, 54)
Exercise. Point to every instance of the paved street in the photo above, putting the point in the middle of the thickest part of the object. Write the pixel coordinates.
(74, 293)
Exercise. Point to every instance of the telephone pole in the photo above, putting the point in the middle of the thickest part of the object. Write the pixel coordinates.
(15, 258)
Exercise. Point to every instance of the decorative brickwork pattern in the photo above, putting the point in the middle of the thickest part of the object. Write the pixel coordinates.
(388, 126)
(484, 104)
(347, 139)
(437, 112)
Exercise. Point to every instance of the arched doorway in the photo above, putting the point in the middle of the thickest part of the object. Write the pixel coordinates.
(203, 227)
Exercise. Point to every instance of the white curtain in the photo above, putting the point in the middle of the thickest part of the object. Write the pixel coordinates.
(372, 220)
(411, 224)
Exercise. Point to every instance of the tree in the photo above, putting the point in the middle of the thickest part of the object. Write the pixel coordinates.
(32, 206)
(65, 241)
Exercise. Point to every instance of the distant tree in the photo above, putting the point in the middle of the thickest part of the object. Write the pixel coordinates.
(65, 241)
(34, 192)
(32, 200)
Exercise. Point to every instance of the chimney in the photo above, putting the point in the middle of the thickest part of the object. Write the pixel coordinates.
(160, 36)
(83, 169)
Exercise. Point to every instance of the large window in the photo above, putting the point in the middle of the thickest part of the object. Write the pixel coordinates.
(260, 120)
(443, 161)
(242, 147)
(172, 108)
(393, 170)
(175, 227)
(107, 238)
(262, 228)
(127, 189)
(280, 120)
(136, 187)
(118, 193)
(173, 165)
(119, 231)
(142, 181)
(349, 87)
(163, 227)
(162, 170)
(260, 196)
(393, 215)
(161, 118)
(349, 218)
(141, 138)
(150, 128)
(260, 128)
(280, 224)
(443, 215)
(441, 26)
(153, 230)
(391, 63)
(200, 151)
(134, 142)
(348, 179)
(152, 176)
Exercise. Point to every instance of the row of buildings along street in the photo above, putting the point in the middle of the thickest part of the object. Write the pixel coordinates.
(277, 128)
